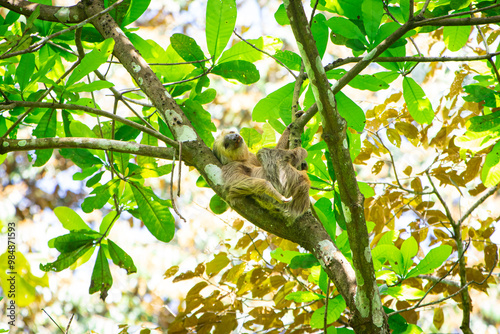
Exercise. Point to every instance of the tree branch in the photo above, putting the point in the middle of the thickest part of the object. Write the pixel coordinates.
(66, 14)
(154, 133)
(11, 145)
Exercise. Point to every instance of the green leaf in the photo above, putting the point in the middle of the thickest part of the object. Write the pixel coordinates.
(348, 8)
(243, 51)
(431, 261)
(366, 189)
(346, 28)
(220, 22)
(241, 70)
(46, 128)
(455, 38)
(303, 261)
(289, 58)
(251, 136)
(102, 195)
(135, 10)
(81, 157)
(405, 292)
(361, 81)
(69, 219)
(490, 174)
(269, 107)
(94, 179)
(372, 10)
(218, 205)
(74, 240)
(460, 4)
(303, 296)
(200, 119)
(385, 252)
(156, 217)
(219, 262)
(66, 259)
(92, 61)
(120, 258)
(25, 70)
(324, 209)
(101, 279)
(409, 249)
(336, 306)
(187, 48)
(319, 30)
(280, 16)
(352, 113)
(418, 104)
(484, 123)
(478, 93)
(284, 256)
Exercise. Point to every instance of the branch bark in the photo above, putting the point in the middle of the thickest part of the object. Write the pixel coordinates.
(368, 314)
(11, 145)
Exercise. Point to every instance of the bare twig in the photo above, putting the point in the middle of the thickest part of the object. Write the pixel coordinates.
(172, 198)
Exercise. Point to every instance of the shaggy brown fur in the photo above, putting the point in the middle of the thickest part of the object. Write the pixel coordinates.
(272, 173)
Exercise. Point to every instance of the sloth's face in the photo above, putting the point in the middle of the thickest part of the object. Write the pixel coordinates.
(232, 140)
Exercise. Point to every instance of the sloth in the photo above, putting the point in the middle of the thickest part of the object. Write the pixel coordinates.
(276, 173)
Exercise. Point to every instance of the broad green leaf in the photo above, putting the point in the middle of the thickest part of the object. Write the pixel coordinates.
(280, 16)
(156, 217)
(269, 107)
(483, 123)
(218, 205)
(241, 70)
(303, 296)
(94, 179)
(207, 96)
(345, 27)
(490, 174)
(187, 48)
(102, 195)
(243, 51)
(46, 128)
(251, 136)
(336, 306)
(418, 104)
(25, 70)
(477, 141)
(92, 61)
(384, 252)
(324, 209)
(81, 157)
(405, 292)
(66, 259)
(69, 219)
(120, 258)
(319, 30)
(200, 119)
(303, 261)
(101, 279)
(366, 189)
(284, 256)
(455, 38)
(219, 262)
(431, 261)
(352, 113)
(479, 93)
(74, 240)
(409, 249)
(460, 4)
(135, 10)
(348, 8)
(220, 22)
(372, 10)
(361, 81)
(289, 59)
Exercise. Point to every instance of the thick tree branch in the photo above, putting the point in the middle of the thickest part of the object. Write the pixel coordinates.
(11, 145)
(94, 111)
(69, 14)
(366, 306)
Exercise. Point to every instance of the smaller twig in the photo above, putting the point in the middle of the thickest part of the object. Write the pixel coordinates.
(424, 8)
(172, 198)
(69, 323)
(311, 21)
(323, 189)
(439, 279)
(441, 200)
(180, 170)
(327, 297)
(490, 192)
(167, 64)
(53, 320)
(412, 9)
(458, 14)
(266, 53)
